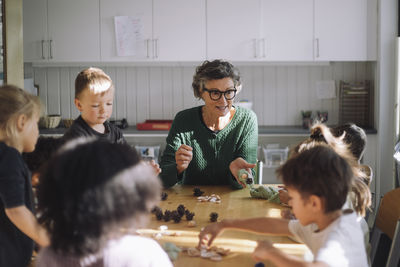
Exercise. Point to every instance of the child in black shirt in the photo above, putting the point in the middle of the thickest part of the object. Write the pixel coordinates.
(19, 116)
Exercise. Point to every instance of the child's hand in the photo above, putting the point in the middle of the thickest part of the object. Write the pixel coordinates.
(263, 250)
(283, 196)
(209, 233)
(155, 166)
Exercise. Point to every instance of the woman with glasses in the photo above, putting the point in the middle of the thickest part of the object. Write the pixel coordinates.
(209, 144)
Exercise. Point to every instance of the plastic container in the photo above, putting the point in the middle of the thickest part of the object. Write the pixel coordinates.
(149, 152)
(274, 155)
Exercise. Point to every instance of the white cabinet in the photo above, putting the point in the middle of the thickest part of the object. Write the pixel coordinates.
(179, 30)
(35, 30)
(340, 30)
(172, 30)
(233, 29)
(61, 31)
(286, 30)
(138, 9)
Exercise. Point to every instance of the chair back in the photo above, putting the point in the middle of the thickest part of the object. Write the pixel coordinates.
(389, 213)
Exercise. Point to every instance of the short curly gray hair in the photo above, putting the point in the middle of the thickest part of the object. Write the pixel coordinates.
(214, 70)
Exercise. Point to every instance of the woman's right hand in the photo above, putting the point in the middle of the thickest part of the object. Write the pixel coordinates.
(183, 156)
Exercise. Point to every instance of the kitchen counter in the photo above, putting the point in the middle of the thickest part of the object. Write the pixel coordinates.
(131, 131)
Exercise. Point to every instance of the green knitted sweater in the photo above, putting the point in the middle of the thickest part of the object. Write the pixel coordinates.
(212, 152)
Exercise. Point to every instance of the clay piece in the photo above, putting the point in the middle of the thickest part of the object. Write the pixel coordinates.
(172, 250)
(269, 193)
(191, 223)
(214, 253)
(212, 198)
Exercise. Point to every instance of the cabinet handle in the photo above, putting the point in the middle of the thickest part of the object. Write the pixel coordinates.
(263, 47)
(51, 49)
(317, 40)
(156, 47)
(147, 46)
(43, 49)
(255, 47)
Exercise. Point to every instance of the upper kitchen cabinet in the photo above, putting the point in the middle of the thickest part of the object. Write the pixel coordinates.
(61, 31)
(165, 30)
(179, 30)
(139, 14)
(233, 30)
(342, 30)
(286, 30)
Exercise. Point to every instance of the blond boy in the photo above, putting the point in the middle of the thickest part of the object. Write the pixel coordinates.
(318, 181)
(94, 97)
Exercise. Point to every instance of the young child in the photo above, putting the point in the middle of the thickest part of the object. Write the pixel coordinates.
(354, 136)
(94, 97)
(44, 150)
(19, 116)
(318, 181)
(360, 194)
(93, 195)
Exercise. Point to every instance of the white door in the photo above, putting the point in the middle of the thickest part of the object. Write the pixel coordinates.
(179, 30)
(287, 30)
(139, 46)
(74, 31)
(233, 29)
(340, 30)
(35, 30)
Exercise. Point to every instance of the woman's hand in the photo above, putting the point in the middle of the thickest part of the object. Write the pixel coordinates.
(209, 233)
(183, 156)
(239, 164)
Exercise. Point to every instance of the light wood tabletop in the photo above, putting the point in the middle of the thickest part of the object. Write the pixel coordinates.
(234, 204)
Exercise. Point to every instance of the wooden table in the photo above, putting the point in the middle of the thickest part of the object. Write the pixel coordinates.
(235, 204)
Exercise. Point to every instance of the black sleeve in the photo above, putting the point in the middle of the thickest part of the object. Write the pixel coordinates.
(12, 181)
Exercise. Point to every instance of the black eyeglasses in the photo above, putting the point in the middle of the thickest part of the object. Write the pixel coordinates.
(216, 94)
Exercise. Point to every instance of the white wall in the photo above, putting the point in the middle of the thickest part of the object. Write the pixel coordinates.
(278, 93)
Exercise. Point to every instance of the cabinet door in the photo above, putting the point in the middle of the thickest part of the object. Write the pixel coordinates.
(141, 46)
(340, 30)
(179, 30)
(35, 30)
(74, 31)
(233, 28)
(287, 30)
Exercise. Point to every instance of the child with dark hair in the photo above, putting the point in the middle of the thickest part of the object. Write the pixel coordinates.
(354, 136)
(44, 150)
(90, 191)
(318, 181)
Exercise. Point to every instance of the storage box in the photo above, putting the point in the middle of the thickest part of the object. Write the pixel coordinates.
(274, 155)
(154, 125)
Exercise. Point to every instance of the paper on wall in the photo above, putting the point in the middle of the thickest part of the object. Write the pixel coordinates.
(325, 89)
(128, 34)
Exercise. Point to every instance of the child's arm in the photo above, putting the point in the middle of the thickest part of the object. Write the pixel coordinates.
(260, 225)
(265, 251)
(23, 218)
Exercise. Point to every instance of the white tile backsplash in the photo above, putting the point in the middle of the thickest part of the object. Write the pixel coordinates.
(278, 92)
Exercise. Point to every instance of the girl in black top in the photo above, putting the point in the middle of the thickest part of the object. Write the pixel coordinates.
(19, 116)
